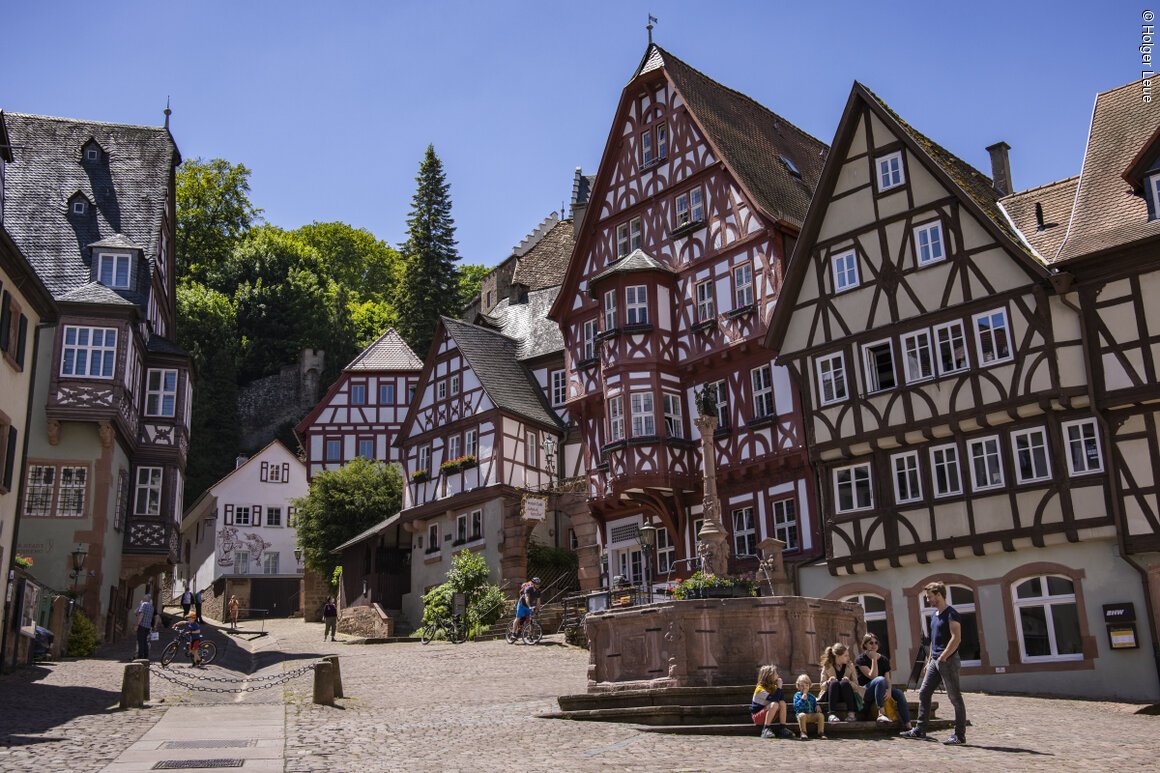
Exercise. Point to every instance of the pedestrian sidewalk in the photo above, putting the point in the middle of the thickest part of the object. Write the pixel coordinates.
(253, 732)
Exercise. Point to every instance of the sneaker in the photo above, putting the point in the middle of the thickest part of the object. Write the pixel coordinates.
(914, 733)
(786, 733)
(851, 716)
(833, 719)
(884, 719)
(954, 740)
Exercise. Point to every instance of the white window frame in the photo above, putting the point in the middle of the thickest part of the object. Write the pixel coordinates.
(986, 450)
(833, 376)
(929, 245)
(470, 446)
(461, 528)
(453, 447)
(116, 263)
(559, 380)
(744, 532)
(915, 346)
(904, 468)
(706, 300)
(989, 334)
(358, 393)
(662, 143)
(1154, 186)
(761, 379)
(690, 207)
(610, 314)
(270, 562)
(105, 352)
(434, 544)
(636, 305)
(78, 207)
(147, 491)
(849, 477)
(722, 403)
(92, 154)
(160, 396)
(591, 327)
(1048, 601)
(441, 389)
(844, 267)
(327, 444)
(615, 419)
(785, 523)
(241, 562)
(674, 420)
(454, 383)
(1018, 453)
(72, 493)
(946, 458)
(476, 526)
(1086, 439)
(621, 240)
(242, 515)
(274, 516)
(743, 286)
(891, 173)
(425, 458)
(644, 420)
(666, 552)
(954, 333)
(635, 234)
(874, 384)
(386, 394)
(360, 448)
(646, 147)
(531, 449)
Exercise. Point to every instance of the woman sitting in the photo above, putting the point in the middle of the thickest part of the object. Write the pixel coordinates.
(874, 677)
(839, 683)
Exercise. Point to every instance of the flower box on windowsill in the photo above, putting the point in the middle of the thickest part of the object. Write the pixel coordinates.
(743, 310)
(684, 229)
(638, 327)
(420, 476)
(605, 335)
(705, 324)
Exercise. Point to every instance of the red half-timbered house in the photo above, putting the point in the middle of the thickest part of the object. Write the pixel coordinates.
(677, 265)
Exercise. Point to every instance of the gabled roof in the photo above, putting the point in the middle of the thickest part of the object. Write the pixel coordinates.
(973, 189)
(637, 260)
(1107, 212)
(128, 189)
(253, 458)
(528, 324)
(545, 264)
(388, 352)
(1055, 201)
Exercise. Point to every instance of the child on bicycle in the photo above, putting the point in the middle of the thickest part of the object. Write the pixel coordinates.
(193, 628)
(529, 600)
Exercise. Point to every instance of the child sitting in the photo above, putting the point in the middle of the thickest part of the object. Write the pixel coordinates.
(806, 707)
(768, 704)
(191, 625)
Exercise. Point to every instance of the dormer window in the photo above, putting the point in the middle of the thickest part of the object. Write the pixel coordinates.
(92, 154)
(113, 270)
(91, 151)
(791, 167)
(1154, 193)
(79, 208)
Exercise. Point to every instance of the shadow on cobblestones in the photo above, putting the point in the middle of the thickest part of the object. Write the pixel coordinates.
(32, 707)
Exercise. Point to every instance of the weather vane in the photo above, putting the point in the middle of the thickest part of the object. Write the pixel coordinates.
(651, 21)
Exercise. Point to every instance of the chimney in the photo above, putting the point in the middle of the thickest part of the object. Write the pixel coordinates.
(240, 460)
(1001, 168)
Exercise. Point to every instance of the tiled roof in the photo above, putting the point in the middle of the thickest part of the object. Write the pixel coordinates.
(494, 359)
(159, 345)
(127, 186)
(94, 292)
(1055, 199)
(545, 264)
(528, 324)
(751, 138)
(1107, 212)
(116, 241)
(637, 260)
(389, 352)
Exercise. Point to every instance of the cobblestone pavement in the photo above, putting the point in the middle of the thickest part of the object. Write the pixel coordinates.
(470, 707)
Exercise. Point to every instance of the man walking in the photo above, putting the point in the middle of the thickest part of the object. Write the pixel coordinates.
(197, 605)
(186, 602)
(144, 626)
(942, 665)
(329, 618)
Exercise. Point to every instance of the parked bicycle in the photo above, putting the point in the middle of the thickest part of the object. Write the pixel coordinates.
(206, 648)
(531, 631)
(452, 629)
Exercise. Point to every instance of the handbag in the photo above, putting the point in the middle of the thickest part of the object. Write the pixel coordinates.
(891, 708)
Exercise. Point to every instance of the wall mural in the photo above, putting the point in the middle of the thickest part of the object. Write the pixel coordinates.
(230, 542)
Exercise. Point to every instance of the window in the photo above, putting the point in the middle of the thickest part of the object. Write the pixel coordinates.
(636, 305)
(706, 304)
(411, 392)
(744, 533)
(791, 167)
(845, 270)
(89, 351)
(92, 154)
(1030, 446)
(461, 529)
(386, 394)
(241, 515)
(666, 552)
(874, 611)
(589, 339)
(634, 234)
(78, 207)
(917, 358)
(907, 487)
(890, 171)
(476, 524)
(662, 140)
(646, 148)
(292, 517)
(160, 392)
(674, 425)
(986, 469)
(469, 442)
(743, 286)
(785, 523)
(832, 378)
(452, 447)
(270, 563)
(962, 599)
(722, 404)
(559, 387)
(113, 270)
(333, 449)
(643, 420)
(878, 359)
(440, 390)
(1154, 187)
(852, 488)
(433, 545)
(952, 347)
(762, 380)
(454, 383)
(241, 562)
(1083, 447)
(273, 516)
(610, 310)
(531, 450)
(944, 461)
(73, 491)
(928, 243)
(425, 458)
(615, 419)
(622, 240)
(690, 207)
(992, 336)
(366, 448)
(358, 394)
(148, 498)
(39, 494)
(1048, 619)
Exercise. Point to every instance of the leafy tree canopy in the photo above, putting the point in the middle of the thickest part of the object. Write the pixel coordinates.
(470, 280)
(353, 257)
(214, 213)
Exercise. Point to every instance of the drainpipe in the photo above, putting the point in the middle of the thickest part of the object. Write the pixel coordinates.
(1062, 283)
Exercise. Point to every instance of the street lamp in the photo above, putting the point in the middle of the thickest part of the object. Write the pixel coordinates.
(78, 565)
(648, 540)
(298, 556)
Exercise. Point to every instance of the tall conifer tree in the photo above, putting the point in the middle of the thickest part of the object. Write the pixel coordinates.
(430, 279)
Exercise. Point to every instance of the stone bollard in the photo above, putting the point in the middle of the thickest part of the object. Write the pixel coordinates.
(333, 660)
(323, 683)
(145, 662)
(133, 686)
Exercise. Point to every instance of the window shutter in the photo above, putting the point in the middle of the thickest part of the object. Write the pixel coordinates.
(21, 343)
(285, 472)
(10, 458)
(5, 321)
(256, 515)
(265, 474)
(229, 518)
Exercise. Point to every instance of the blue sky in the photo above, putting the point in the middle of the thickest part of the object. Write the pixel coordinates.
(332, 104)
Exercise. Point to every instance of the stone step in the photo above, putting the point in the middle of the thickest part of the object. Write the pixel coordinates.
(673, 715)
(838, 729)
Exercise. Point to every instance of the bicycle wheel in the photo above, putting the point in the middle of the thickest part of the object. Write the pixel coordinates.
(509, 636)
(169, 654)
(533, 632)
(456, 634)
(208, 652)
(427, 633)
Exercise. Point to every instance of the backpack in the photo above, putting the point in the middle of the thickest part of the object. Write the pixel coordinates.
(329, 610)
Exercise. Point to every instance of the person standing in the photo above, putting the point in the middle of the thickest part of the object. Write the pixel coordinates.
(197, 605)
(942, 665)
(234, 608)
(144, 625)
(330, 618)
(186, 602)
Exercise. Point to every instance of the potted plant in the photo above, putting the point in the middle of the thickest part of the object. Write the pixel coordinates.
(450, 466)
(24, 562)
(714, 586)
(467, 461)
(420, 476)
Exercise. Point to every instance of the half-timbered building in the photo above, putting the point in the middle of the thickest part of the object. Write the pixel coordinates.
(953, 414)
(92, 207)
(678, 262)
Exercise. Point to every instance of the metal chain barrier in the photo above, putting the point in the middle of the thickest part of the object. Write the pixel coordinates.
(274, 680)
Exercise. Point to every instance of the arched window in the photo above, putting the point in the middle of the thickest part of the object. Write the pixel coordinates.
(962, 599)
(874, 608)
(1048, 623)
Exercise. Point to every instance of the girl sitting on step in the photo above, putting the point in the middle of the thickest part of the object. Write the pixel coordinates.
(839, 683)
(768, 705)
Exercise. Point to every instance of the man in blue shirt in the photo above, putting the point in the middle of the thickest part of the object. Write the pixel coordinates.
(942, 665)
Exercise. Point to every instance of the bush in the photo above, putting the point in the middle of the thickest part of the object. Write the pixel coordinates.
(699, 582)
(556, 558)
(82, 636)
(468, 575)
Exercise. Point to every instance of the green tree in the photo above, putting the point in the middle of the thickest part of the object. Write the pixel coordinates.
(214, 213)
(469, 574)
(430, 286)
(366, 266)
(470, 280)
(343, 503)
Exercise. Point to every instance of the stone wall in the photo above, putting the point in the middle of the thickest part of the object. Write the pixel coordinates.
(269, 403)
(314, 593)
(370, 622)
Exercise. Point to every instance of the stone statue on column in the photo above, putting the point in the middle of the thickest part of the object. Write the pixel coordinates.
(711, 540)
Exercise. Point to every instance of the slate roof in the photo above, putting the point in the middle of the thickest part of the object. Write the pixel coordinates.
(389, 352)
(159, 345)
(528, 324)
(1107, 212)
(116, 241)
(751, 138)
(494, 359)
(545, 264)
(94, 292)
(1056, 200)
(637, 260)
(127, 187)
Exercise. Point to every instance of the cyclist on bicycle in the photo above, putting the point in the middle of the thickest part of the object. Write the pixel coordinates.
(193, 628)
(529, 600)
